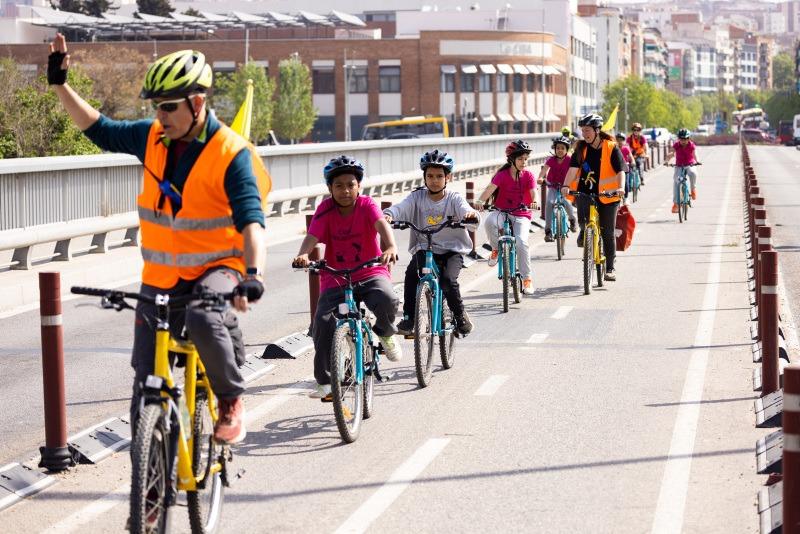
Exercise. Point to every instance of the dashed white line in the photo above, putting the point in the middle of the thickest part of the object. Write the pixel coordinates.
(561, 312)
(401, 479)
(538, 338)
(491, 385)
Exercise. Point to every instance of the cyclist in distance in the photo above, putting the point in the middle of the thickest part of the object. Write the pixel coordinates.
(685, 156)
(429, 206)
(555, 171)
(514, 186)
(597, 167)
(627, 156)
(638, 144)
(349, 224)
(200, 211)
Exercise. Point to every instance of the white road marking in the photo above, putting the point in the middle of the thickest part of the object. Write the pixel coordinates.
(675, 484)
(491, 385)
(538, 338)
(561, 312)
(401, 479)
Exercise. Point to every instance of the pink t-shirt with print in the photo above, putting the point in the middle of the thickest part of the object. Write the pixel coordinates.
(511, 193)
(349, 240)
(684, 155)
(558, 169)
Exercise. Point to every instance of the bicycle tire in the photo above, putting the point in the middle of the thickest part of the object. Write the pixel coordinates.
(204, 504)
(685, 207)
(588, 259)
(506, 250)
(149, 477)
(600, 266)
(680, 205)
(447, 340)
(635, 193)
(559, 232)
(344, 385)
(423, 334)
(369, 376)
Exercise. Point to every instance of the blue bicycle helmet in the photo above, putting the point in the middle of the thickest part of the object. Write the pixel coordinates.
(437, 159)
(343, 165)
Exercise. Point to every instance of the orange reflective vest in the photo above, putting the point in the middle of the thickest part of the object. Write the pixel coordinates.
(637, 145)
(202, 235)
(608, 177)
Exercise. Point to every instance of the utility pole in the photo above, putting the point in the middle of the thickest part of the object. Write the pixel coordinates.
(346, 98)
(544, 80)
(626, 108)
(246, 44)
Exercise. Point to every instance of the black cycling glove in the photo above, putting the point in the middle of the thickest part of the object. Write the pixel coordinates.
(250, 288)
(55, 74)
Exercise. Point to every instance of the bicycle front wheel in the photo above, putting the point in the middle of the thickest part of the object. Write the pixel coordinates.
(447, 340)
(150, 479)
(205, 504)
(681, 201)
(685, 208)
(348, 395)
(588, 259)
(558, 230)
(506, 250)
(601, 266)
(423, 334)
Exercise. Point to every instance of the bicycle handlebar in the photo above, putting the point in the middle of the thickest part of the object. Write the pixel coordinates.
(593, 195)
(322, 265)
(209, 298)
(695, 164)
(510, 211)
(433, 229)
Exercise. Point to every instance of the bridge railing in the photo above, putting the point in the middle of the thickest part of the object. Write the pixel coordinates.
(59, 199)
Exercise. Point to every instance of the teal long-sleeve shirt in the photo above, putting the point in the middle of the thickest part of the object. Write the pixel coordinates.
(130, 137)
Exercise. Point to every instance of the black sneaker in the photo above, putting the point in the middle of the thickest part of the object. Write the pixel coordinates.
(405, 327)
(548, 236)
(463, 324)
(580, 239)
(573, 225)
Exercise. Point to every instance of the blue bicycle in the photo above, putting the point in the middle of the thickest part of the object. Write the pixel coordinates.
(558, 219)
(684, 195)
(432, 317)
(355, 353)
(507, 258)
(633, 183)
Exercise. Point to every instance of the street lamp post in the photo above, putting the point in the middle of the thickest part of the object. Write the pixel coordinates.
(246, 44)
(346, 98)
(626, 108)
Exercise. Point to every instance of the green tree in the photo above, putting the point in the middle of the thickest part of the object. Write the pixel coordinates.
(783, 75)
(642, 105)
(116, 83)
(295, 113)
(71, 6)
(782, 106)
(230, 91)
(192, 12)
(161, 8)
(97, 7)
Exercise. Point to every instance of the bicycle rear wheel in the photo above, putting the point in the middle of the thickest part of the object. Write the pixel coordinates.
(601, 267)
(558, 230)
(447, 340)
(506, 251)
(588, 259)
(369, 375)
(205, 504)
(348, 394)
(685, 207)
(150, 480)
(423, 334)
(635, 191)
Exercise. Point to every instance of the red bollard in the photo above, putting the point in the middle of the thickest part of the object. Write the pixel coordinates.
(791, 449)
(543, 200)
(55, 453)
(768, 319)
(755, 203)
(470, 194)
(313, 279)
(760, 244)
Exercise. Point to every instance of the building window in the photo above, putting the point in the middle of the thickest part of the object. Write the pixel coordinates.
(448, 84)
(531, 82)
(502, 83)
(389, 79)
(323, 81)
(518, 83)
(485, 83)
(467, 83)
(324, 129)
(358, 79)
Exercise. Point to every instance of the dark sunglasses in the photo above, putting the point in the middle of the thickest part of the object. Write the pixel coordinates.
(637, 130)
(167, 106)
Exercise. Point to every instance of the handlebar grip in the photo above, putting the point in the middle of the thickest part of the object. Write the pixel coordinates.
(93, 291)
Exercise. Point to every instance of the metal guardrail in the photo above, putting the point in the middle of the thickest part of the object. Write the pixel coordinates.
(58, 199)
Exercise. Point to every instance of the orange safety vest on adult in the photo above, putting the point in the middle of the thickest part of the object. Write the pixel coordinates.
(202, 234)
(637, 144)
(608, 180)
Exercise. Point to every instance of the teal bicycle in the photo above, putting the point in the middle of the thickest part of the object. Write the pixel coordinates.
(507, 258)
(433, 319)
(558, 220)
(633, 183)
(684, 196)
(355, 353)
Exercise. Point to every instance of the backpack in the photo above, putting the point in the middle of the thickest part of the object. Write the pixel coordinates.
(625, 227)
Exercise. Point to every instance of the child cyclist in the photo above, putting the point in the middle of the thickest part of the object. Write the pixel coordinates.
(514, 185)
(430, 206)
(554, 172)
(685, 156)
(349, 225)
(638, 144)
(627, 156)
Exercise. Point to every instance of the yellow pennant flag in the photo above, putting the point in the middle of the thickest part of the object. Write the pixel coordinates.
(241, 123)
(611, 122)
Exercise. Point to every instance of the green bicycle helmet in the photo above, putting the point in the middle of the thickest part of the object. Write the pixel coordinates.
(177, 74)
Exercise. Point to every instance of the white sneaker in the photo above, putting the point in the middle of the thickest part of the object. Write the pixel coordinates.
(322, 391)
(393, 351)
(527, 286)
(493, 259)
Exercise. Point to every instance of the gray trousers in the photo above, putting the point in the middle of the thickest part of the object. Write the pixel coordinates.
(548, 209)
(377, 293)
(206, 328)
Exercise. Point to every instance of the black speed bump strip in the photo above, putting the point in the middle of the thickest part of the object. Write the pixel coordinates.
(290, 346)
(770, 508)
(19, 481)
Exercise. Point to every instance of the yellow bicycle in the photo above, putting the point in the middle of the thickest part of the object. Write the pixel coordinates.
(173, 448)
(593, 257)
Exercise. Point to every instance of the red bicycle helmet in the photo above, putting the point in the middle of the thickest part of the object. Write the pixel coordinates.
(516, 148)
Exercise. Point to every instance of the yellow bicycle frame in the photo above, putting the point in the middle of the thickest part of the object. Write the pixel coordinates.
(194, 367)
(594, 223)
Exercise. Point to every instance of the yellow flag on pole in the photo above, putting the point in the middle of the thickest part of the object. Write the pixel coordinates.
(611, 122)
(241, 122)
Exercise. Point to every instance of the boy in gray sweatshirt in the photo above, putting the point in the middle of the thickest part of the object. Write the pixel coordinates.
(430, 206)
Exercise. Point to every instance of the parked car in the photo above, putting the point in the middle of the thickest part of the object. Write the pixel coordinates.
(754, 135)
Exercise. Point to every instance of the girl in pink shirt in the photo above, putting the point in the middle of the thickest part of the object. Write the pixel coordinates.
(627, 156)
(684, 157)
(553, 175)
(515, 186)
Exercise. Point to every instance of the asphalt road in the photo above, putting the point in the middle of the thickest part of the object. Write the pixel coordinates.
(629, 410)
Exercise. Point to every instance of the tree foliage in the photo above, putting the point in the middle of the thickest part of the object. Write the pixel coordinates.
(117, 75)
(93, 8)
(650, 106)
(783, 75)
(161, 8)
(295, 113)
(230, 91)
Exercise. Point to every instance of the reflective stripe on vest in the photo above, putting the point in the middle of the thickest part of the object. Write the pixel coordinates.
(162, 219)
(188, 260)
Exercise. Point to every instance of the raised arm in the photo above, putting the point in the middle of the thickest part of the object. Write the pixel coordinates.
(82, 114)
